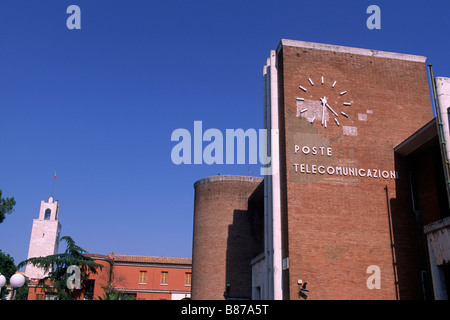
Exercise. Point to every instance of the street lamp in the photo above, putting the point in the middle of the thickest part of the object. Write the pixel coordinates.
(2, 283)
(16, 281)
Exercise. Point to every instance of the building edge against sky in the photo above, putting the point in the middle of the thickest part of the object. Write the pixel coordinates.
(284, 215)
(263, 238)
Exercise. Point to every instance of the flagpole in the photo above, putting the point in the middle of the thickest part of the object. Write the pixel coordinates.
(53, 186)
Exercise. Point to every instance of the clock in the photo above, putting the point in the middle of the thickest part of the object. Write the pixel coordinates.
(325, 104)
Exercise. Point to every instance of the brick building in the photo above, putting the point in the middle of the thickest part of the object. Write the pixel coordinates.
(140, 277)
(226, 236)
(357, 203)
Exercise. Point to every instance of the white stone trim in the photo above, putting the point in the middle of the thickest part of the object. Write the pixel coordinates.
(351, 50)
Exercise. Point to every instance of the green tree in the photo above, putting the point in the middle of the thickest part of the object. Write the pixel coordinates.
(110, 293)
(6, 206)
(56, 265)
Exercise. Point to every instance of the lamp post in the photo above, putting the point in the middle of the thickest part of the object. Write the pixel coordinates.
(2, 283)
(16, 281)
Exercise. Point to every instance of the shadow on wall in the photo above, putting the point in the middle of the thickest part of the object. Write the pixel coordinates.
(245, 241)
(417, 201)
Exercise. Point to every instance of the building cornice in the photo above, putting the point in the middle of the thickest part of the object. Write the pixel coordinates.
(155, 265)
(227, 178)
(350, 50)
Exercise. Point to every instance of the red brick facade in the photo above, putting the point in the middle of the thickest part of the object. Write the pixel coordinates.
(222, 244)
(141, 277)
(337, 225)
(346, 201)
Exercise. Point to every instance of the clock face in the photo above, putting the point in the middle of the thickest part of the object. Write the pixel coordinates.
(323, 101)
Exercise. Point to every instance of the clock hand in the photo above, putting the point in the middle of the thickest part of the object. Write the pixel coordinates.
(323, 113)
(323, 109)
(331, 109)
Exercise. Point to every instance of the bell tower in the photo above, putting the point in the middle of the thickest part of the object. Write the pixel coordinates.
(45, 235)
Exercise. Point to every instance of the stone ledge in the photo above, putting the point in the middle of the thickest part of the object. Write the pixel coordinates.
(227, 178)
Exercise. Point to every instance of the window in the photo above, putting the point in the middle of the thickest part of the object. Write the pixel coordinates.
(164, 277)
(142, 277)
(187, 279)
(39, 296)
(47, 214)
(89, 290)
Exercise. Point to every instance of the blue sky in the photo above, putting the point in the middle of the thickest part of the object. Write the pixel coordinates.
(99, 104)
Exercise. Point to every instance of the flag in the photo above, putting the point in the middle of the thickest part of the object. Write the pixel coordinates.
(55, 174)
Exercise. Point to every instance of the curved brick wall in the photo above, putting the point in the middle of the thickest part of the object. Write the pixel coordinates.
(218, 201)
